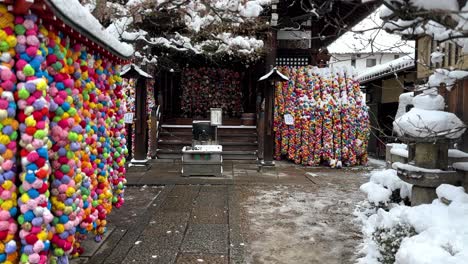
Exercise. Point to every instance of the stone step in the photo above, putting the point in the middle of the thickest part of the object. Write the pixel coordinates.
(227, 154)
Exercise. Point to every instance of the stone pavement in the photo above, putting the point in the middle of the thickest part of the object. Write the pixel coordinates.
(171, 219)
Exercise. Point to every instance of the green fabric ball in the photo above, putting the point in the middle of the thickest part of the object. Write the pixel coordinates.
(59, 111)
(21, 219)
(23, 94)
(20, 29)
(72, 111)
(14, 135)
(72, 136)
(58, 252)
(24, 258)
(28, 70)
(65, 168)
(4, 46)
(40, 134)
(57, 66)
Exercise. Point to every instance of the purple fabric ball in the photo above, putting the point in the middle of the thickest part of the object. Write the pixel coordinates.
(6, 130)
(37, 221)
(39, 104)
(28, 249)
(9, 175)
(74, 146)
(20, 48)
(56, 183)
(31, 87)
(53, 106)
(11, 112)
(77, 129)
(62, 152)
(66, 179)
(22, 127)
(69, 201)
(10, 248)
(2, 148)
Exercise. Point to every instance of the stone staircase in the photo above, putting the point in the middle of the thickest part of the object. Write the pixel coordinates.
(239, 142)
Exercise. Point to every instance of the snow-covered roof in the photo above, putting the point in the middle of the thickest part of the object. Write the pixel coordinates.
(273, 71)
(128, 67)
(79, 18)
(373, 39)
(378, 71)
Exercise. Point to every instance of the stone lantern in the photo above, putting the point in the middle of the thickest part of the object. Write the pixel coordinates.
(428, 132)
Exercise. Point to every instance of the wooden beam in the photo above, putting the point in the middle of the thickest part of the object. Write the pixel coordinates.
(21, 7)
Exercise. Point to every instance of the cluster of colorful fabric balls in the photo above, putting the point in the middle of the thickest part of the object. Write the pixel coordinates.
(63, 107)
(33, 115)
(204, 88)
(330, 119)
(8, 141)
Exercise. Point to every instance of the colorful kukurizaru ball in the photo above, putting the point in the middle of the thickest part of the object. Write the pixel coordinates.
(8, 140)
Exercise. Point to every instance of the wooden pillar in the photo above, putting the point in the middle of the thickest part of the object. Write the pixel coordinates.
(140, 121)
(268, 138)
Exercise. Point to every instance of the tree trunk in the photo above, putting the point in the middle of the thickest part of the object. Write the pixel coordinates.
(100, 11)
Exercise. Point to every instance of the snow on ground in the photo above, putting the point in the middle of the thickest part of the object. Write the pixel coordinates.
(303, 224)
(439, 231)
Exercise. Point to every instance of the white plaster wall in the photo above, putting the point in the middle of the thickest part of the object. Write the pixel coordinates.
(344, 60)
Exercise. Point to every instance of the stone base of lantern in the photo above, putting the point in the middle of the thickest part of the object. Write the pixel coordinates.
(422, 195)
(425, 183)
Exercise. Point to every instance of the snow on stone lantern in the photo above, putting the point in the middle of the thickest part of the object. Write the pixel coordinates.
(428, 132)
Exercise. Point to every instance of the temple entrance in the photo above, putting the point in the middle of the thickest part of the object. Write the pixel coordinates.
(189, 94)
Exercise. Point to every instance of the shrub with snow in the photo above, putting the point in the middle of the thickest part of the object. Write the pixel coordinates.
(389, 239)
(385, 188)
(428, 233)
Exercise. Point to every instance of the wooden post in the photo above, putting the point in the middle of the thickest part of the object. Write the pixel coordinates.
(268, 139)
(140, 121)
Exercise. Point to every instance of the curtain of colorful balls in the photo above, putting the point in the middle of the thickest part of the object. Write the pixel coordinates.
(61, 112)
(204, 88)
(330, 119)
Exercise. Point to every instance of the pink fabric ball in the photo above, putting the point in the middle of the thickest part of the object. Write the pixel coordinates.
(7, 165)
(5, 195)
(4, 225)
(4, 215)
(34, 258)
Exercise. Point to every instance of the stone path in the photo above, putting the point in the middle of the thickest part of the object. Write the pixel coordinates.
(289, 215)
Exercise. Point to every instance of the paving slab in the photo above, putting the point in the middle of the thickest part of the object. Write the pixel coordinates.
(142, 254)
(206, 238)
(188, 258)
(209, 215)
(166, 230)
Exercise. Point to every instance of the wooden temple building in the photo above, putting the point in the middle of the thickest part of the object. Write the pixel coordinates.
(297, 35)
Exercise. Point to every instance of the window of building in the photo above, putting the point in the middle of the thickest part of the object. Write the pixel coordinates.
(371, 62)
(396, 56)
(450, 54)
(353, 62)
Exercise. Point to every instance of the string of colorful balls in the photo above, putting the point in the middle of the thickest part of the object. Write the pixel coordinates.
(204, 88)
(330, 118)
(61, 111)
